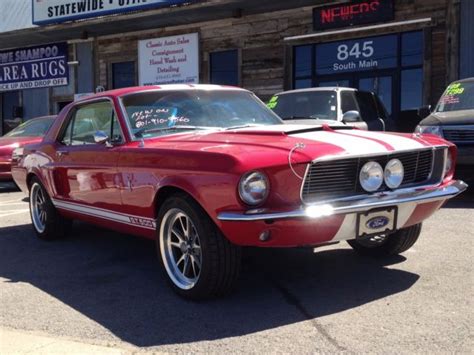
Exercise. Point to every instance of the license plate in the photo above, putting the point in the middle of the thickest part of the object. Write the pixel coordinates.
(375, 222)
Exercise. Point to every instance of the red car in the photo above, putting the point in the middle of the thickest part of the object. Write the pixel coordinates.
(205, 170)
(31, 131)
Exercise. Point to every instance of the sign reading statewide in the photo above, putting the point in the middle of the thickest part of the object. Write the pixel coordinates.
(169, 60)
(34, 67)
(356, 55)
(57, 11)
(356, 12)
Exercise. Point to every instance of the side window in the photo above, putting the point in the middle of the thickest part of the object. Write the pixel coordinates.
(368, 109)
(348, 102)
(89, 119)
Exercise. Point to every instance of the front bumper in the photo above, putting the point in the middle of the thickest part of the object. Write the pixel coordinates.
(322, 223)
(383, 199)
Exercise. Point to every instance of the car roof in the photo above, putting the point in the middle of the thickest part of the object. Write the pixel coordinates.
(320, 88)
(466, 80)
(167, 87)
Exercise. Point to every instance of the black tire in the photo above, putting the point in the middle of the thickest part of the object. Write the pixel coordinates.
(219, 259)
(393, 244)
(54, 225)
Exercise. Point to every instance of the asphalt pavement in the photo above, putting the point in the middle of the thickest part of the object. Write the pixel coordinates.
(104, 290)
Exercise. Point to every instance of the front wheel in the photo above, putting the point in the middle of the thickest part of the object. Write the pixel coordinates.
(48, 224)
(199, 262)
(386, 245)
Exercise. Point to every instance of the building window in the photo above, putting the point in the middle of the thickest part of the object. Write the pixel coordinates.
(123, 75)
(389, 65)
(224, 67)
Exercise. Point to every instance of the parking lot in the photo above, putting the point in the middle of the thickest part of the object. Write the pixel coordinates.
(103, 288)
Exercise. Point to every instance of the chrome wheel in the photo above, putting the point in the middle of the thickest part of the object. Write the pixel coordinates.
(38, 208)
(180, 248)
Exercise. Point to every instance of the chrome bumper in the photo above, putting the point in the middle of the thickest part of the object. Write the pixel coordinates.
(382, 199)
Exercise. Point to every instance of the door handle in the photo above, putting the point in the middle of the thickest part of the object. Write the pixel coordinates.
(60, 153)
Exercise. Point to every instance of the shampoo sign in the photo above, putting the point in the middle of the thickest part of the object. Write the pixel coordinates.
(169, 60)
(34, 67)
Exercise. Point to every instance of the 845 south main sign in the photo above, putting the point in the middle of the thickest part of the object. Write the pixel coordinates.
(34, 67)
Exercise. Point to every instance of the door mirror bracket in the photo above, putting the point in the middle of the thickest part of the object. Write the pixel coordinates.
(100, 137)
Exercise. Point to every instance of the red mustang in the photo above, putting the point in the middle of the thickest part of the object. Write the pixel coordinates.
(205, 170)
(31, 131)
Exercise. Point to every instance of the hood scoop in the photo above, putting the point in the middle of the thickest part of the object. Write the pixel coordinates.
(288, 129)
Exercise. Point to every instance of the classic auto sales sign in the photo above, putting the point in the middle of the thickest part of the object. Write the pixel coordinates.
(169, 60)
(34, 67)
(57, 11)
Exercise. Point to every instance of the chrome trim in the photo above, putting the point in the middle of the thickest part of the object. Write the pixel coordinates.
(351, 156)
(382, 199)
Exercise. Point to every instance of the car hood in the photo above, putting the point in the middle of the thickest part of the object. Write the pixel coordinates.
(308, 142)
(462, 117)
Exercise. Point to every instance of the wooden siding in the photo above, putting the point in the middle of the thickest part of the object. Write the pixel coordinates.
(266, 60)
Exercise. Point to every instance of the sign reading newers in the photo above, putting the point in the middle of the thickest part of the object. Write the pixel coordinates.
(356, 12)
(169, 60)
(57, 11)
(34, 67)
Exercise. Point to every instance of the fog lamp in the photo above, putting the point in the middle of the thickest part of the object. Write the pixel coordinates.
(371, 176)
(393, 173)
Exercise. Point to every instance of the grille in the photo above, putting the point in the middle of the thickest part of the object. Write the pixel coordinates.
(465, 135)
(335, 178)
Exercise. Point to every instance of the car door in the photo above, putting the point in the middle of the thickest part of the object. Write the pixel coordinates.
(86, 171)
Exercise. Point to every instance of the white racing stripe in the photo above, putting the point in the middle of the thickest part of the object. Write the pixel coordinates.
(397, 142)
(351, 144)
(132, 220)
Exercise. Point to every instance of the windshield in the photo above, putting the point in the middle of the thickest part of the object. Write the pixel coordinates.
(307, 104)
(33, 128)
(166, 112)
(458, 96)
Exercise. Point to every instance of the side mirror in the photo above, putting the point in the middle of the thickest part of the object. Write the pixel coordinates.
(351, 117)
(424, 111)
(101, 137)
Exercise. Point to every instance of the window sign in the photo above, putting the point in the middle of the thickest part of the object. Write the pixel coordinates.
(169, 60)
(57, 11)
(356, 55)
(356, 12)
(34, 67)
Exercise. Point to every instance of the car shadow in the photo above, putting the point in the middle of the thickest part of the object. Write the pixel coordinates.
(115, 280)
(6, 186)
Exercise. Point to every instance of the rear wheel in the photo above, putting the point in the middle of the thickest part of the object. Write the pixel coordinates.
(199, 262)
(48, 224)
(385, 245)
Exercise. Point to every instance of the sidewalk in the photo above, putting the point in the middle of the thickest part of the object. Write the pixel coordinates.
(17, 342)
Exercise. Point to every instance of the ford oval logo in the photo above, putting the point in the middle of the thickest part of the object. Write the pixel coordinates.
(377, 222)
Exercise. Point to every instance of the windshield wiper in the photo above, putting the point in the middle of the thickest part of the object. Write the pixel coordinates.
(141, 132)
(298, 118)
(244, 126)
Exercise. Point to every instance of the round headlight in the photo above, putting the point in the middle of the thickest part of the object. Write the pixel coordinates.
(393, 173)
(371, 176)
(254, 188)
